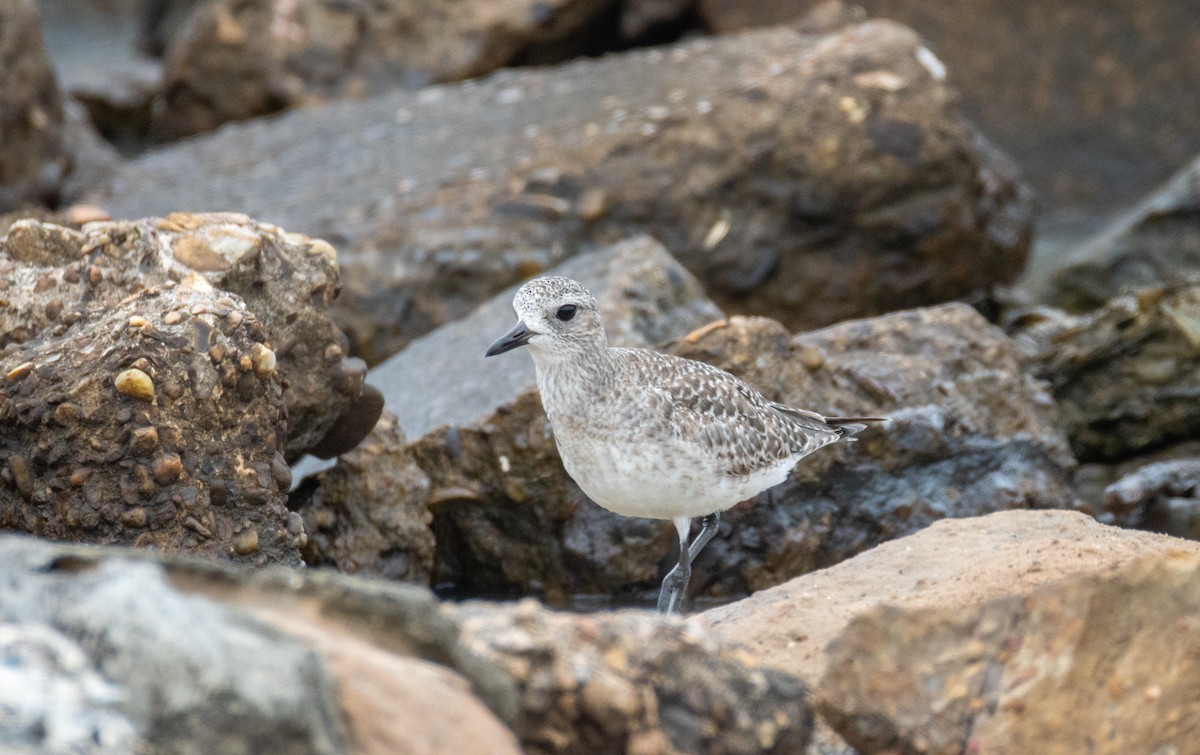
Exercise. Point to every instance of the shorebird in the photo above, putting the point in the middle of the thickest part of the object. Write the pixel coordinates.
(653, 435)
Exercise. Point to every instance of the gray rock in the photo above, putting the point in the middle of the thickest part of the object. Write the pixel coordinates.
(54, 700)
(194, 677)
(809, 178)
(646, 298)
(369, 514)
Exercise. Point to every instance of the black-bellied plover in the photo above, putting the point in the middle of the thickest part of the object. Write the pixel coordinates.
(654, 435)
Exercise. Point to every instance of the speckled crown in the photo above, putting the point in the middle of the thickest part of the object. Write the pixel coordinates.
(539, 291)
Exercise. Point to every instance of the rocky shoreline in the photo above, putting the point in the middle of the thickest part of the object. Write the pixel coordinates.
(1008, 565)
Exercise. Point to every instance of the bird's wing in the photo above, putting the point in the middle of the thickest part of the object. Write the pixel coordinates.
(733, 422)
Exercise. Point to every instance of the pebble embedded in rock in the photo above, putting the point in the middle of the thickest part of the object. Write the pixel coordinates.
(245, 542)
(135, 383)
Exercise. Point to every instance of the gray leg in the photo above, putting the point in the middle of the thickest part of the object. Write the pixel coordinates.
(674, 586)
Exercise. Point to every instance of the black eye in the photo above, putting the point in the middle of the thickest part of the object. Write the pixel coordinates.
(565, 312)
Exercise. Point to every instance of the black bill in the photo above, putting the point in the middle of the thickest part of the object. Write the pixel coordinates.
(518, 336)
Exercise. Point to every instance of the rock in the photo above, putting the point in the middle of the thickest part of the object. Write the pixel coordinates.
(278, 58)
(811, 178)
(1156, 244)
(1126, 375)
(1090, 131)
(954, 565)
(369, 514)
(32, 160)
(634, 682)
(1101, 660)
(139, 409)
(970, 432)
(118, 429)
(54, 700)
(1162, 497)
(199, 657)
(285, 279)
(506, 516)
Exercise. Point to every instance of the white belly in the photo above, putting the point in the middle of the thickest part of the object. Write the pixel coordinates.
(645, 481)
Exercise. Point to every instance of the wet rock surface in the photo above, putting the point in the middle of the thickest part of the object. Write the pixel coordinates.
(32, 158)
(1101, 660)
(144, 400)
(1126, 375)
(634, 682)
(814, 178)
(191, 656)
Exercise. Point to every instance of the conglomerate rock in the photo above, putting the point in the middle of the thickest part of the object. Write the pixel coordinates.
(154, 374)
(806, 177)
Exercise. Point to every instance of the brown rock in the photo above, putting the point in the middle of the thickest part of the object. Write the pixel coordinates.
(32, 161)
(970, 432)
(136, 466)
(1091, 129)
(368, 515)
(634, 682)
(1099, 660)
(1125, 375)
(812, 178)
(952, 565)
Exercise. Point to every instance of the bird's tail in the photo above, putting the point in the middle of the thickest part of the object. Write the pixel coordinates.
(850, 426)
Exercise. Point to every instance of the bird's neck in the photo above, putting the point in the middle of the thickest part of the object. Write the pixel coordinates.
(569, 383)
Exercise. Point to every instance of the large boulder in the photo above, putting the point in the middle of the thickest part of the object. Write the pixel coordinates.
(32, 158)
(1104, 660)
(970, 432)
(235, 60)
(889, 610)
(1090, 130)
(155, 374)
(813, 178)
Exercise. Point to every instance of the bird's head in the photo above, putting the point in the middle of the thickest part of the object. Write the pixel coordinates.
(556, 317)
